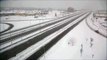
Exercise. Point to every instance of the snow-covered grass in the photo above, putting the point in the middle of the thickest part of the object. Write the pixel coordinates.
(81, 35)
(24, 21)
(3, 27)
(50, 15)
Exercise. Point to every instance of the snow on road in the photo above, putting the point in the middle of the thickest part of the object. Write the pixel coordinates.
(46, 40)
(80, 43)
(24, 21)
(98, 24)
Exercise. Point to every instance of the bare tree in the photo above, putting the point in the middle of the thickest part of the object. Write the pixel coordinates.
(70, 9)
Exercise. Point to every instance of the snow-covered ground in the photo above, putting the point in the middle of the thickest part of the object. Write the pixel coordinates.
(4, 27)
(50, 15)
(25, 21)
(81, 43)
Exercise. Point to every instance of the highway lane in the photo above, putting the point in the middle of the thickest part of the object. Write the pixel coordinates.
(59, 18)
(32, 49)
(11, 44)
(21, 32)
(46, 47)
(13, 33)
(39, 23)
(27, 44)
(6, 46)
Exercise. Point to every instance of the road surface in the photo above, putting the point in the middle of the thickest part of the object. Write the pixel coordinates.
(16, 45)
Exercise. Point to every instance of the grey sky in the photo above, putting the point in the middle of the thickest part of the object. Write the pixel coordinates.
(77, 4)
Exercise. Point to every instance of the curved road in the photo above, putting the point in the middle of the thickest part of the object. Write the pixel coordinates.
(10, 27)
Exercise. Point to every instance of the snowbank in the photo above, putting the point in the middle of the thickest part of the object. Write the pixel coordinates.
(93, 45)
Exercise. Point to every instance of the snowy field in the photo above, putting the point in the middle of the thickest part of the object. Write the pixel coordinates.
(24, 21)
(81, 43)
(4, 27)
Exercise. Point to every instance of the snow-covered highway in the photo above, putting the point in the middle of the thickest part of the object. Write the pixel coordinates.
(24, 40)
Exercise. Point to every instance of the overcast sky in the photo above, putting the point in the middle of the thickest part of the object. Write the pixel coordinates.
(77, 4)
